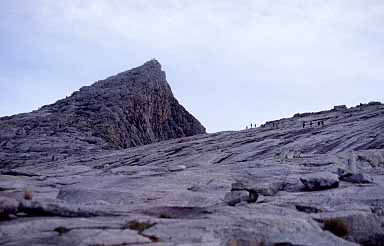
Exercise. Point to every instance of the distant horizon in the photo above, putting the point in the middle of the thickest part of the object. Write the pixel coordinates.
(228, 63)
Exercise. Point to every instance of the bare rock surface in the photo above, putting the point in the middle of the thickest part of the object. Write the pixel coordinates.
(174, 192)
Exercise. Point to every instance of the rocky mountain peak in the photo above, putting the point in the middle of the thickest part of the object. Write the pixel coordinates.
(132, 108)
(138, 79)
(153, 63)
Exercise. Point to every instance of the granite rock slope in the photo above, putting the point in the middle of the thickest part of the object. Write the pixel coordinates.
(229, 188)
(129, 109)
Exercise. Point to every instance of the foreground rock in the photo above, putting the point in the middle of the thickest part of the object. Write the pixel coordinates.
(357, 178)
(8, 206)
(237, 196)
(320, 181)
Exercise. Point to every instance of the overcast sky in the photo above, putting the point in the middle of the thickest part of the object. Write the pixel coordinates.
(228, 62)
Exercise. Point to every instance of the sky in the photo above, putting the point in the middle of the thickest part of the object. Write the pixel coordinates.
(229, 63)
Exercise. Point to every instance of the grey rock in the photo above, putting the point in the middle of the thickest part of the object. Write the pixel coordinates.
(55, 208)
(370, 158)
(234, 197)
(177, 168)
(340, 108)
(107, 237)
(262, 188)
(269, 189)
(320, 181)
(357, 178)
(8, 206)
(307, 209)
(238, 186)
(362, 227)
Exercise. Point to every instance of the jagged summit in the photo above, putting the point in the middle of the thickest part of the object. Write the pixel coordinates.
(132, 108)
(148, 75)
(153, 63)
(151, 68)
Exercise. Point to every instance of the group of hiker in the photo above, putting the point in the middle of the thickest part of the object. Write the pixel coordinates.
(252, 126)
(275, 125)
(311, 123)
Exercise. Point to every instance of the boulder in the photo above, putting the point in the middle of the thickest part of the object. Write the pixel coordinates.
(234, 197)
(357, 178)
(261, 188)
(239, 186)
(268, 189)
(177, 168)
(8, 206)
(320, 181)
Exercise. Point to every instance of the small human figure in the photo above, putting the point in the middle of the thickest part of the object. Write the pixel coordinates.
(53, 158)
(319, 123)
(304, 124)
(251, 125)
(311, 124)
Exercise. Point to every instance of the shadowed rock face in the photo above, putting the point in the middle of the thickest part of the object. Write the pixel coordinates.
(129, 109)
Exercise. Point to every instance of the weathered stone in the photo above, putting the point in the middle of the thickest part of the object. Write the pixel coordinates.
(8, 206)
(320, 181)
(357, 178)
(268, 189)
(239, 186)
(177, 168)
(372, 158)
(362, 227)
(262, 188)
(307, 209)
(54, 208)
(234, 197)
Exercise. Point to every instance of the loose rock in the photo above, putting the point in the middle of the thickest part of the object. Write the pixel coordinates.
(320, 181)
(8, 206)
(177, 168)
(357, 178)
(234, 197)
